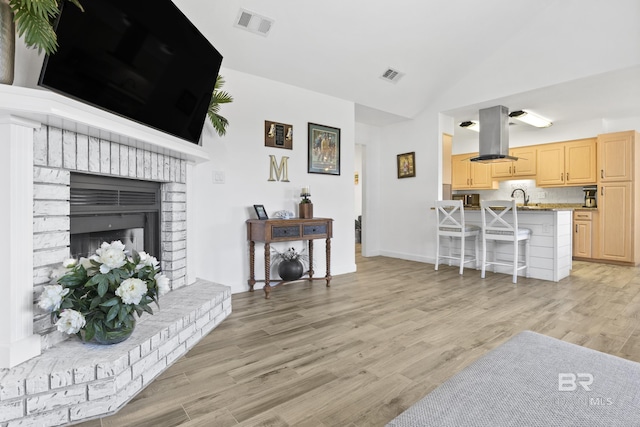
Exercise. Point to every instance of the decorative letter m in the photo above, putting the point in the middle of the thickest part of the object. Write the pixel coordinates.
(281, 171)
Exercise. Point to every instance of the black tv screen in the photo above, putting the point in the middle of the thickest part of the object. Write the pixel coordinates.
(141, 59)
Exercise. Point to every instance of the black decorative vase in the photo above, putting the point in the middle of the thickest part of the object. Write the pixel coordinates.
(290, 269)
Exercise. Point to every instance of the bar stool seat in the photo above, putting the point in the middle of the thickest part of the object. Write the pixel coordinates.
(500, 224)
(451, 224)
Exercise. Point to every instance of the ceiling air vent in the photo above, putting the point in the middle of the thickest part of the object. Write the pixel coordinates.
(253, 22)
(391, 75)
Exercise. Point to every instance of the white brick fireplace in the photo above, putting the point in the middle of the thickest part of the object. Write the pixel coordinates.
(46, 137)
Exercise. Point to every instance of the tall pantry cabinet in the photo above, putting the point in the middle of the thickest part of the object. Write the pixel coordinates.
(618, 237)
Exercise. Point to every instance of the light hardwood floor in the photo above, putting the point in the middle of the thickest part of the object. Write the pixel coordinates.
(362, 351)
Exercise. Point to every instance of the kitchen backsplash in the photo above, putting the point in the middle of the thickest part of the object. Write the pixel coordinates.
(536, 194)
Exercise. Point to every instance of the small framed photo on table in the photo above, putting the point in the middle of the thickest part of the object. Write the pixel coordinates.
(262, 214)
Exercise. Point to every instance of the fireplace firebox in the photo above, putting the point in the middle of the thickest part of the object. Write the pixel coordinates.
(104, 209)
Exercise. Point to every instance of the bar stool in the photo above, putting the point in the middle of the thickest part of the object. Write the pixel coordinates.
(500, 224)
(450, 217)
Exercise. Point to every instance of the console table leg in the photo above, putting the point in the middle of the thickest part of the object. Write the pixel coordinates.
(328, 248)
(252, 258)
(267, 269)
(310, 259)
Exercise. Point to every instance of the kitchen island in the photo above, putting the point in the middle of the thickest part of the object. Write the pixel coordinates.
(550, 246)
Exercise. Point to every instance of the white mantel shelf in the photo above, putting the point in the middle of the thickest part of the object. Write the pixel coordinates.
(46, 107)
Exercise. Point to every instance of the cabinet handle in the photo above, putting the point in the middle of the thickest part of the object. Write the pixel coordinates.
(576, 228)
(471, 181)
(514, 170)
(602, 191)
(467, 181)
(567, 176)
(562, 177)
(601, 173)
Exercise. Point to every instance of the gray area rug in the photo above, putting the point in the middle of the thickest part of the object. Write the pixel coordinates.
(534, 380)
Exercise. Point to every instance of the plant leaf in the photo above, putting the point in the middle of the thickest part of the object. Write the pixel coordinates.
(113, 313)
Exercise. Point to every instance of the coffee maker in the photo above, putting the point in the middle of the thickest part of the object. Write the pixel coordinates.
(590, 196)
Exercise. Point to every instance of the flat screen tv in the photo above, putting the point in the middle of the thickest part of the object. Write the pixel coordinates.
(141, 59)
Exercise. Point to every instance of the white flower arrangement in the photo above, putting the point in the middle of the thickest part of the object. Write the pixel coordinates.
(91, 297)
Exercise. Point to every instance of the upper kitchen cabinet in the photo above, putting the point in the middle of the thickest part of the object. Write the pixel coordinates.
(470, 175)
(615, 156)
(569, 163)
(524, 167)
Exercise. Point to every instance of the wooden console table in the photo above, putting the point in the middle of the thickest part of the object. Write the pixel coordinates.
(284, 230)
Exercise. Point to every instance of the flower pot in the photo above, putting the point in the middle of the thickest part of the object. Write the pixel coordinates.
(7, 43)
(113, 336)
(290, 269)
(306, 210)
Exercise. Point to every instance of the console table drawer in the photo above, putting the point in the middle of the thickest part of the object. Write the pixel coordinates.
(313, 230)
(278, 232)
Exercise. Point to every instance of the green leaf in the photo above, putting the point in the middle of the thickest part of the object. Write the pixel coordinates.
(124, 312)
(103, 287)
(95, 302)
(218, 97)
(113, 313)
(109, 303)
(89, 331)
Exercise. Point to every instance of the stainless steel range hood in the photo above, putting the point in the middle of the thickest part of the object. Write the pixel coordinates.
(494, 135)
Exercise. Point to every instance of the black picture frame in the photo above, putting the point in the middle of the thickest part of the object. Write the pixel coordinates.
(261, 212)
(323, 149)
(407, 165)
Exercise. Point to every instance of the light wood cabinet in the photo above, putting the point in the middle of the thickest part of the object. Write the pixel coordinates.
(615, 156)
(582, 234)
(470, 175)
(618, 237)
(525, 166)
(569, 163)
(615, 206)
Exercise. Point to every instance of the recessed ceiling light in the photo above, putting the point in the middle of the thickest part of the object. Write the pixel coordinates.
(530, 119)
(471, 125)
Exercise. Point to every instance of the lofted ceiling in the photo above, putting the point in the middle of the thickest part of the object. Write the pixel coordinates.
(571, 56)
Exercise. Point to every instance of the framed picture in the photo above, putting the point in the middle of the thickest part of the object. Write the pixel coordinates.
(324, 150)
(262, 214)
(278, 135)
(407, 165)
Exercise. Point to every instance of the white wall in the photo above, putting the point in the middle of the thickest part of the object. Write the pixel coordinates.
(220, 210)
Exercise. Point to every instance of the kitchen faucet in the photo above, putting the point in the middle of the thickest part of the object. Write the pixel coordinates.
(524, 195)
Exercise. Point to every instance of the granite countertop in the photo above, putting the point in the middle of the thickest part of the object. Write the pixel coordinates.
(542, 207)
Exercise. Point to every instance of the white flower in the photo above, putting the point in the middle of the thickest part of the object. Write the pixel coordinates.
(146, 260)
(70, 322)
(110, 255)
(69, 263)
(51, 297)
(163, 284)
(132, 290)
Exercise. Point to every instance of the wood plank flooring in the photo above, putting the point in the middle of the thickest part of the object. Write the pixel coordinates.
(362, 351)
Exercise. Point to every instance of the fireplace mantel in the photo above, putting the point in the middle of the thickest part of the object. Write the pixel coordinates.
(46, 107)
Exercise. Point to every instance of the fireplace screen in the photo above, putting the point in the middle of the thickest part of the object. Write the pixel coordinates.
(104, 209)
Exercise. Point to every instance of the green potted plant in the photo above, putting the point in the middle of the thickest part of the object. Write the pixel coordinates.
(217, 98)
(291, 263)
(33, 19)
(96, 298)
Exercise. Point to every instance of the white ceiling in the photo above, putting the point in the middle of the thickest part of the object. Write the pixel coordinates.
(472, 53)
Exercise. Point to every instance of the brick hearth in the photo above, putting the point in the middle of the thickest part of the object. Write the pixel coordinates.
(74, 381)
